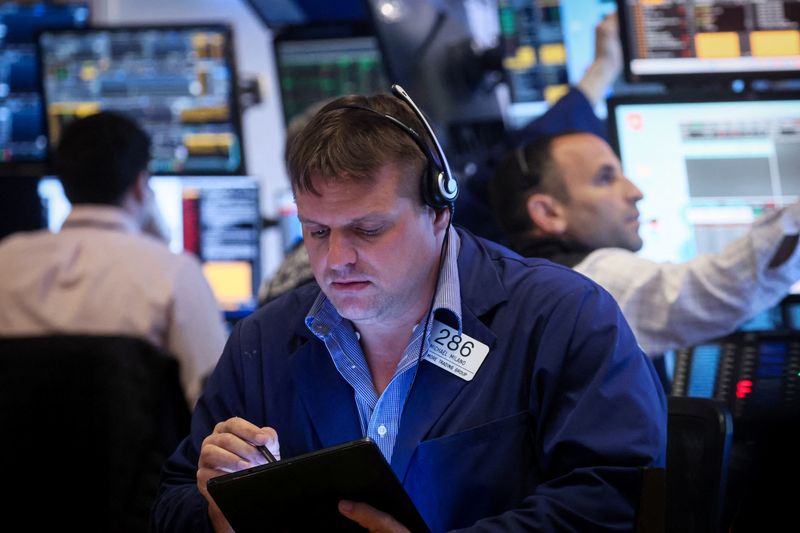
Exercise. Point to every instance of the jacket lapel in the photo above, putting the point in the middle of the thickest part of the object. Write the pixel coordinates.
(435, 389)
(325, 394)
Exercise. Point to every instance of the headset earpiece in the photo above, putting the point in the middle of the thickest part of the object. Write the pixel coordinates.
(438, 186)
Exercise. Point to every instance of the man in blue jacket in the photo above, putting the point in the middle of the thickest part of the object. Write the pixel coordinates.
(506, 393)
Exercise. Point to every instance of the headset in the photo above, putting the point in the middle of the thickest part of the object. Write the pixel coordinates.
(439, 186)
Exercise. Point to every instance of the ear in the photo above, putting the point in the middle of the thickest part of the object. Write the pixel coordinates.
(140, 186)
(547, 214)
(441, 217)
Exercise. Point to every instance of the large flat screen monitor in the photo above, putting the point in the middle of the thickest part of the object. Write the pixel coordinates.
(215, 218)
(178, 82)
(707, 169)
(315, 64)
(671, 39)
(23, 143)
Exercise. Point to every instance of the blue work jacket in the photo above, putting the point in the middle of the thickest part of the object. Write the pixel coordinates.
(549, 435)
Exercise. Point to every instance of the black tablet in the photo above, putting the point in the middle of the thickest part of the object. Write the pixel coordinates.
(302, 493)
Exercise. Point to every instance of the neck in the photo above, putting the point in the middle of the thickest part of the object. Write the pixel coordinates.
(384, 341)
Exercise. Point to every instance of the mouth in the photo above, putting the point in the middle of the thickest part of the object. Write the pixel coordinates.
(349, 286)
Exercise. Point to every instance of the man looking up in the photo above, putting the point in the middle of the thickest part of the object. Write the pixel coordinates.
(557, 415)
(565, 198)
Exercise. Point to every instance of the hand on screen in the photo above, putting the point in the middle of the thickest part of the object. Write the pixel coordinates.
(370, 518)
(608, 47)
(230, 448)
(607, 64)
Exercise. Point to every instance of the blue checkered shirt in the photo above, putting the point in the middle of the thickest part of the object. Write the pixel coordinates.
(380, 416)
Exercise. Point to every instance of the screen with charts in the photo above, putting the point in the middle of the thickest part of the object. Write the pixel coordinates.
(743, 38)
(312, 69)
(216, 218)
(534, 54)
(23, 143)
(546, 44)
(707, 169)
(178, 82)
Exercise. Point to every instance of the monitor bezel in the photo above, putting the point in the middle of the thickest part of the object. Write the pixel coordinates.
(687, 78)
(230, 58)
(34, 168)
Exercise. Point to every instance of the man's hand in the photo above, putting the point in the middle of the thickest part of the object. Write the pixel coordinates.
(607, 64)
(370, 518)
(230, 448)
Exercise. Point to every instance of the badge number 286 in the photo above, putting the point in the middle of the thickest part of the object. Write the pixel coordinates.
(460, 355)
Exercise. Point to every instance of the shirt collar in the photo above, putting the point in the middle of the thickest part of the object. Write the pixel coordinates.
(323, 318)
(91, 215)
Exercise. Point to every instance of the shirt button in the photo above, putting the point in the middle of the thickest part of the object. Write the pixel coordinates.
(381, 430)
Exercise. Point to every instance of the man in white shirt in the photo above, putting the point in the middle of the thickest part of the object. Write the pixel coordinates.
(565, 198)
(106, 272)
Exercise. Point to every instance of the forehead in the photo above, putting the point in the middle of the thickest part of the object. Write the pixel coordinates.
(580, 155)
(346, 195)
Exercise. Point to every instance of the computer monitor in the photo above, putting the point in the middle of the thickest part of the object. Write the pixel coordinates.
(317, 63)
(546, 45)
(23, 143)
(707, 169)
(178, 82)
(216, 218)
(534, 53)
(676, 40)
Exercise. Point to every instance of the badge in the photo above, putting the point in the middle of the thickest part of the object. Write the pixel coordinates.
(460, 355)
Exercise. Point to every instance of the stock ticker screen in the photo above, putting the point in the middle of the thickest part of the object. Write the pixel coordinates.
(177, 82)
(22, 136)
(707, 169)
(747, 37)
(314, 69)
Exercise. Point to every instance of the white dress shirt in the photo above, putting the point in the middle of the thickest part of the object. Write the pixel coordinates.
(671, 305)
(101, 275)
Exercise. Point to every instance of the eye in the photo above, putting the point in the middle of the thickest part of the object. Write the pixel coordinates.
(369, 232)
(318, 233)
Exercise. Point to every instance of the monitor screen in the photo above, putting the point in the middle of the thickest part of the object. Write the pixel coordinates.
(746, 38)
(545, 45)
(277, 13)
(534, 54)
(23, 143)
(314, 69)
(177, 82)
(707, 169)
(216, 218)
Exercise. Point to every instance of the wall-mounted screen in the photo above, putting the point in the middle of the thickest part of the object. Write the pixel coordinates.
(23, 143)
(317, 65)
(707, 169)
(746, 38)
(178, 82)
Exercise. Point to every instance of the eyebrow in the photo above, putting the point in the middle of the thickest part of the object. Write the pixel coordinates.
(366, 218)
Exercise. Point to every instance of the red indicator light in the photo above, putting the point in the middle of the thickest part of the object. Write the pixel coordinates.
(743, 388)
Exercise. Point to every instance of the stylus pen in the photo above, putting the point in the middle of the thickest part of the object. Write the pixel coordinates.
(266, 453)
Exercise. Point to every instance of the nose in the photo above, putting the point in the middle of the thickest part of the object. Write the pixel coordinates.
(633, 193)
(341, 252)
